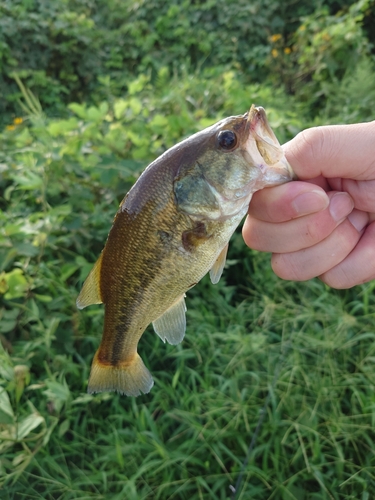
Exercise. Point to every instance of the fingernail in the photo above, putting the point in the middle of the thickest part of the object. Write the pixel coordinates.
(308, 203)
(358, 219)
(340, 206)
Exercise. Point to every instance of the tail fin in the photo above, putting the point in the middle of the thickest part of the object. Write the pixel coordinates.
(131, 379)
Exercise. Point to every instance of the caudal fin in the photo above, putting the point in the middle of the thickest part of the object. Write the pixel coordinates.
(131, 378)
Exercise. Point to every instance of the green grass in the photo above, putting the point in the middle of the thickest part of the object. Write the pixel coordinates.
(306, 349)
(189, 436)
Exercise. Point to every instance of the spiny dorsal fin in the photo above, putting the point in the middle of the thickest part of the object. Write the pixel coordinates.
(217, 269)
(90, 293)
(171, 325)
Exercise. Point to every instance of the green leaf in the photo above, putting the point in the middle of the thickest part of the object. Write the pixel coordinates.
(119, 107)
(97, 114)
(135, 105)
(16, 282)
(26, 249)
(57, 393)
(28, 424)
(67, 270)
(29, 180)
(138, 84)
(6, 410)
(43, 298)
(64, 427)
(7, 326)
(78, 109)
(62, 126)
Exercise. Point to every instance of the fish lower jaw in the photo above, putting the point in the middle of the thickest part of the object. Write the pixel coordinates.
(274, 175)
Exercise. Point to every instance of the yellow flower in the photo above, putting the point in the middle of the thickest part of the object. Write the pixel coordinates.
(274, 52)
(287, 50)
(275, 38)
(10, 127)
(18, 121)
(326, 37)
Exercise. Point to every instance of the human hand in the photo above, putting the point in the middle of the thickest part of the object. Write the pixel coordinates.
(323, 224)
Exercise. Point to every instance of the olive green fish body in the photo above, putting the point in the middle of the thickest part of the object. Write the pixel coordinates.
(170, 230)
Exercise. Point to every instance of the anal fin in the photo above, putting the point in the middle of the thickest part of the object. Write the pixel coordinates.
(217, 269)
(90, 293)
(171, 325)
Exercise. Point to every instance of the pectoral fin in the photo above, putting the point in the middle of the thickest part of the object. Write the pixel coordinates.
(195, 237)
(90, 293)
(171, 325)
(217, 269)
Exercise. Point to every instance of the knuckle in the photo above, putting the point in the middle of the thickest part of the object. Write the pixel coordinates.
(314, 232)
(316, 228)
(286, 267)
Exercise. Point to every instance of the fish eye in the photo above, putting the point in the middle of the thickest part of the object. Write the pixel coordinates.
(227, 140)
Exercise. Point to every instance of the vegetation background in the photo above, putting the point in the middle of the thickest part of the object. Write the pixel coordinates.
(90, 92)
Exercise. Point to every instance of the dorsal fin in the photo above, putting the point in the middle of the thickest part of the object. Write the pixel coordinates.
(171, 325)
(217, 269)
(90, 293)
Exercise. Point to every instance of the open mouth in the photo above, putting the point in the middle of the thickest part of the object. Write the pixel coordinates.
(266, 141)
(259, 125)
(265, 149)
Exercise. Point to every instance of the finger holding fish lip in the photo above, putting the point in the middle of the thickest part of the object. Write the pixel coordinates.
(301, 232)
(287, 201)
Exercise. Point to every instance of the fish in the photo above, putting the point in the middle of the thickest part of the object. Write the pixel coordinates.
(173, 227)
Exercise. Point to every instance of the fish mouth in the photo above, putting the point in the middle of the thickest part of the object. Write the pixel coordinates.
(265, 150)
(258, 124)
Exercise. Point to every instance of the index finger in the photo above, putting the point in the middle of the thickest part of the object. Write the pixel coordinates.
(287, 201)
(334, 151)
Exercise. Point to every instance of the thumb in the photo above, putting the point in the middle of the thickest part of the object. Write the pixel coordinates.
(346, 151)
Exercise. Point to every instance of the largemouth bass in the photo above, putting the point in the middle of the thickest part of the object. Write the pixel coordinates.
(172, 228)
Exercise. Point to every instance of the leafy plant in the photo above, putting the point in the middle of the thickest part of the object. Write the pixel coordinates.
(87, 51)
(329, 47)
